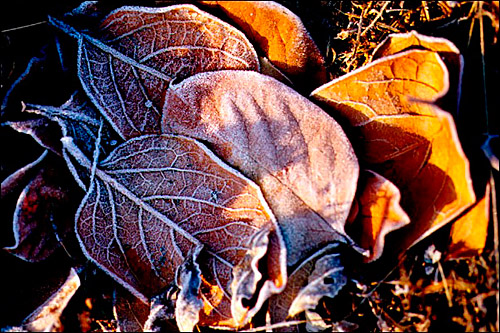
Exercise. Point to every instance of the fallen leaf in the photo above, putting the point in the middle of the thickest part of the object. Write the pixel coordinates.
(282, 37)
(379, 213)
(138, 51)
(155, 198)
(449, 53)
(46, 317)
(45, 132)
(293, 150)
(405, 138)
(267, 68)
(319, 275)
(468, 233)
(129, 311)
(44, 213)
(189, 303)
(79, 119)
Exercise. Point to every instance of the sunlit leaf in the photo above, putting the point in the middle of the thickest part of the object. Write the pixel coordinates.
(405, 138)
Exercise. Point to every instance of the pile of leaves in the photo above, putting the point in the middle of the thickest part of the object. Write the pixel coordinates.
(204, 166)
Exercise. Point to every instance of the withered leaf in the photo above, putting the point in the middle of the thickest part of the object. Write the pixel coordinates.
(405, 138)
(155, 198)
(44, 213)
(129, 311)
(319, 275)
(79, 119)
(468, 233)
(45, 132)
(46, 317)
(281, 35)
(378, 214)
(126, 67)
(293, 150)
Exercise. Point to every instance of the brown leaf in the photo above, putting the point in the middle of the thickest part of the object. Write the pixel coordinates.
(307, 285)
(79, 119)
(379, 213)
(127, 67)
(130, 312)
(45, 212)
(293, 150)
(406, 139)
(155, 198)
(468, 233)
(46, 317)
(281, 35)
(45, 132)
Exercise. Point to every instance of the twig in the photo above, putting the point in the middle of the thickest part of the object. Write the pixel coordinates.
(24, 26)
(379, 15)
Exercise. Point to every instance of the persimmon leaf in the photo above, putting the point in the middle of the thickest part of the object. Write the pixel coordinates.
(378, 214)
(405, 138)
(281, 35)
(129, 311)
(468, 232)
(296, 153)
(153, 200)
(126, 67)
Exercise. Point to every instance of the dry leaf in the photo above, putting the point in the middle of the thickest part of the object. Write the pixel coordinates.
(378, 214)
(46, 317)
(44, 213)
(138, 51)
(155, 198)
(45, 132)
(468, 233)
(129, 311)
(406, 139)
(450, 54)
(293, 150)
(79, 119)
(307, 285)
(281, 35)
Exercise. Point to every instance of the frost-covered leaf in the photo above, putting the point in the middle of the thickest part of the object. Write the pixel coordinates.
(45, 132)
(46, 317)
(80, 120)
(319, 275)
(378, 213)
(153, 200)
(137, 51)
(282, 37)
(296, 153)
(129, 311)
(401, 135)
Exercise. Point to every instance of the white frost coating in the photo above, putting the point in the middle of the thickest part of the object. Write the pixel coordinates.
(151, 10)
(413, 33)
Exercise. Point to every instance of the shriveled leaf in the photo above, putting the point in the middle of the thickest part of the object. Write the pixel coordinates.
(450, 54)
(468, 233)
(154, 199)
(307, 285)
(79, 119)
(45, 132)
(282, 36)
(129, 311)
(379, 213)
(17, 181)
(45, 212)
(293, 150)
(247, 300)
(46, 317)
(137, 51)
(189, 303)
(406, 139)
(27, 286)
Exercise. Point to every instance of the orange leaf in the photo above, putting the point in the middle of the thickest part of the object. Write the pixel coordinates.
(404, 137)
(379, 212)
(468, 233)
(281, 35)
